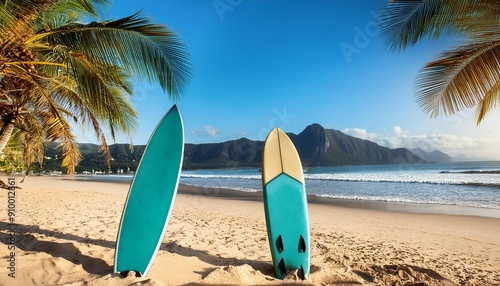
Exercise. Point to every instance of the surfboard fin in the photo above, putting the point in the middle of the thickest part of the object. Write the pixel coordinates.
(302, 244)
(300, 272)
(279, 244)
(281, 269)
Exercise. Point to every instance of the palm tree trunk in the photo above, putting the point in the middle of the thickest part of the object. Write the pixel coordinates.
(6, 131)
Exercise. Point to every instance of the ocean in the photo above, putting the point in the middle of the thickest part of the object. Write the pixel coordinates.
(472, 187)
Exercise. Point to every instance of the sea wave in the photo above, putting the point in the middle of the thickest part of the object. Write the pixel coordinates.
(483, 205)
(405, 178)
(448, 201)
(219, 176)
(494, 172)
(436, 179)
(250, 190)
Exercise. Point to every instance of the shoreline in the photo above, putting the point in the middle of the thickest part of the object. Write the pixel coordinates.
(402, 207)
(66, 233)
(398, 207)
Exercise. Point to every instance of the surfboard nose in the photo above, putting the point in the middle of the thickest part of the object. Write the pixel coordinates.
(280, 156)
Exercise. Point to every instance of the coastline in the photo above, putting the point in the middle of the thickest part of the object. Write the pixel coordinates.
(67, 230)
(402, 207)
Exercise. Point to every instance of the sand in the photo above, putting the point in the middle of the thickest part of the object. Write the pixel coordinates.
(66, 231)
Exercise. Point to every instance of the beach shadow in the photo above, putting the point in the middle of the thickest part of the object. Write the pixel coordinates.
(264, 267)
(22, 229)
(26, 241)
(64, 250)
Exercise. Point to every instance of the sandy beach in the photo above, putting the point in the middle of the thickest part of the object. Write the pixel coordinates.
(65, 232)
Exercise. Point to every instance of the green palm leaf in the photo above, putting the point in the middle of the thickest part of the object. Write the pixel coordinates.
(65, 12)
(404, 22)
(108, 105)
(149, 51)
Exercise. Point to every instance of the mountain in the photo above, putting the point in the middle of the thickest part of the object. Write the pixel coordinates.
(435, 156)
(328, 147)
(316, 146)
(236, 153)
(462, 158)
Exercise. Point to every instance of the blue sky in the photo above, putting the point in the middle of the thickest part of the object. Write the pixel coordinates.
(262, 64)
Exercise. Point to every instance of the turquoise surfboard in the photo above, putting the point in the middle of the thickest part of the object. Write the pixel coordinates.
(151, 197)
(285, 205)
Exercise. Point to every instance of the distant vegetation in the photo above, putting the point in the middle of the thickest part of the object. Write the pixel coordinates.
(123, 159)
(316, 146)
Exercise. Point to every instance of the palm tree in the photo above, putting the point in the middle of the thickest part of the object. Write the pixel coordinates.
(54, 70)
(466, 76)
(12, 157)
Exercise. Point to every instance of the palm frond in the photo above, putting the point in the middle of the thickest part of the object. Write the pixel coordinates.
(34, 63)
(25, 11)
(80, 6)
(32, 138)
(105, 151)
(65, 12)
(485, 19)
(104, 90)
(50, 116)
(57, 129)
(460, 79)
(54, 20)
(71, 155)
(7, 20)
(107, 103)
(490, 101)
(404, 22)
(84, 112)
(149, 51)
(39, 97)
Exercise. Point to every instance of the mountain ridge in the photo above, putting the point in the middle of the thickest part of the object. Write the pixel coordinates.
(316, 146)
(435, 156)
